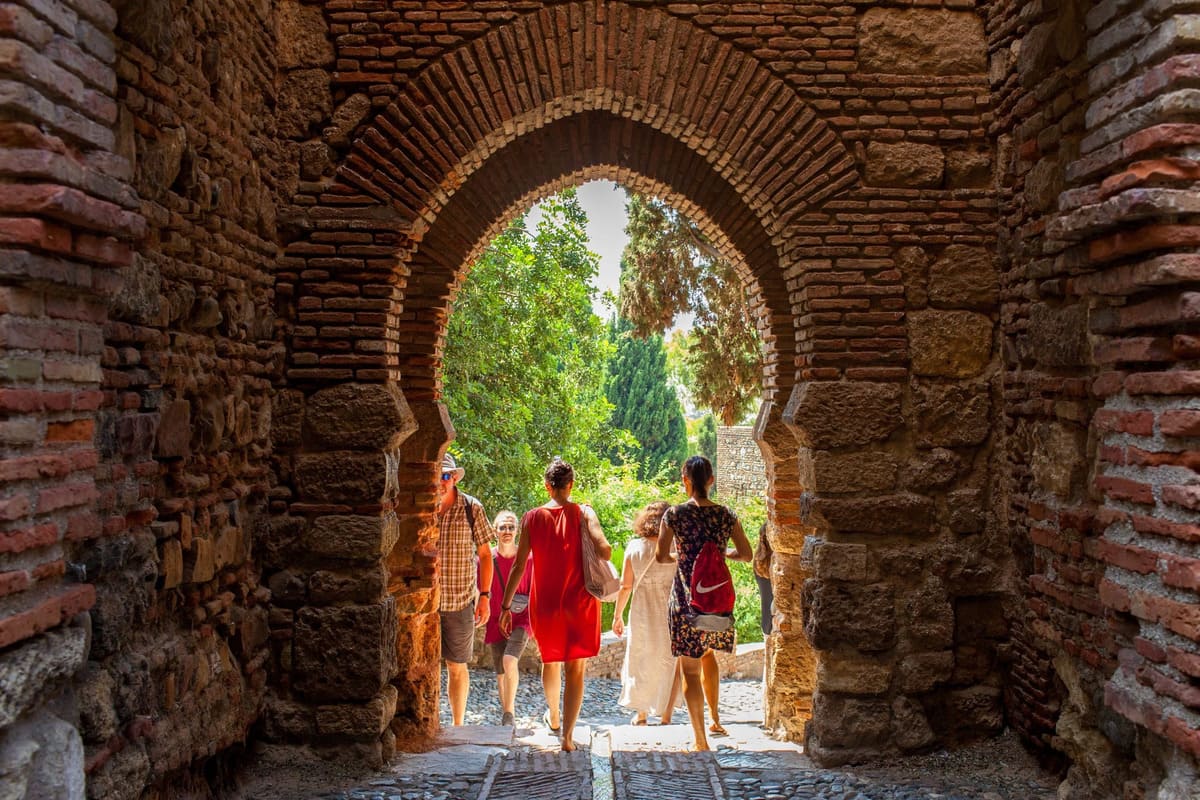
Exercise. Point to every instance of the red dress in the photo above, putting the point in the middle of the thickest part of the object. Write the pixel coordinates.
(565, 618)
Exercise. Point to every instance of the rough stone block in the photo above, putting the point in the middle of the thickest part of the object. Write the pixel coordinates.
(174, 435)
(854, 472)
(42, 757)
(967, 510)
(853, 674)
(969, 168)
(359, 585)
(931, 470)
(905, 165)
(838, 414)
(921, 42)
(963, 277)
(287, 720)
(928, 616)
(1057, 460)
(358, 721)
(955, 415)
(170, 563)
(899, 514)
(359, 416)
(26, 670)
(850, 721)
(1057, 337)
(349, 537)
(343, 477)
(304, 100)
(287, 417)
(302, 35)
(921, 672)
(913, 263)
(842, 562)
(910, 726)
(949, 344)
(863, 617)
(345, 653)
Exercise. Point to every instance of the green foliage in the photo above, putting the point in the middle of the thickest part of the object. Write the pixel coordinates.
(644, 403)
(524, 362)
(706, 438)
(672, 269)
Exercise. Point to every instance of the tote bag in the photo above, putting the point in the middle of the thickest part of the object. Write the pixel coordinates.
(599, 575)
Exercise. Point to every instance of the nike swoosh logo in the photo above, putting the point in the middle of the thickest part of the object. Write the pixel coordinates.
(702, 589)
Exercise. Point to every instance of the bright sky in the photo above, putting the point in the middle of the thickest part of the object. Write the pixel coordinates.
(604, 204)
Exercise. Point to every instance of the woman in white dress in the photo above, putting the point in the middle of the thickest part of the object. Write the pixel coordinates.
(649, 683)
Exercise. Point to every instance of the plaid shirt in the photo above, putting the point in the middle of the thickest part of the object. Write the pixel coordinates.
(457, 548)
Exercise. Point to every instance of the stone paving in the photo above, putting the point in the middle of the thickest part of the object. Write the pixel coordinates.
(619, 761)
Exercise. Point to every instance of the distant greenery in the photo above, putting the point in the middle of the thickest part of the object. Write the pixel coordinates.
(644, 402)
(706, 438)
(525, 367)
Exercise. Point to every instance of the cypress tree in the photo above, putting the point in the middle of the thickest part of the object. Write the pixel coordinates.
(644, 403)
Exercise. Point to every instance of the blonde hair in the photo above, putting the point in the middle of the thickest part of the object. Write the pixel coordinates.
(646, 523)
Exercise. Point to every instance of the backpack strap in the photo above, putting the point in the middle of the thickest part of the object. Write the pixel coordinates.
(470, 513)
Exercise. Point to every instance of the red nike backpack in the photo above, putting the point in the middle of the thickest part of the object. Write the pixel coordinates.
(712, 585)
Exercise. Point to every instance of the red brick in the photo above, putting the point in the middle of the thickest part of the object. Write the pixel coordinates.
(1185, 662)
(35, 233)
(1182, 572)
(1114, 596)
(1135, 559)
(1125, 489)
(48, 614)
(1172, 383)
(1147, 238)
(19, 541)
(1140, 423)
(57, 497)
(13, 582)
(1186, 496)
(1177, 530)
(1184, 734)
(1180, 423)
(80, 430)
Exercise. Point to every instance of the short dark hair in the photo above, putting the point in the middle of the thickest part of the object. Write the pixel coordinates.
(699, 471)
(559, 474)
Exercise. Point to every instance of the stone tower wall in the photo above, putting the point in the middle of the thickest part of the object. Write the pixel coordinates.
(740, 468)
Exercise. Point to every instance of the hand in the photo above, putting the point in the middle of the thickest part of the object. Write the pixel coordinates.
(483, 610)
(618, 626)
(506, 623)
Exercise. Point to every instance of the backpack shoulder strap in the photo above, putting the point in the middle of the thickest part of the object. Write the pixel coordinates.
(468, 503)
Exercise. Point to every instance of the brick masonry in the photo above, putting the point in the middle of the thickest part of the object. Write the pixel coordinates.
(232, 234)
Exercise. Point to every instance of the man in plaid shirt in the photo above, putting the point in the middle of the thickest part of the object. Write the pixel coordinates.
(465, 534)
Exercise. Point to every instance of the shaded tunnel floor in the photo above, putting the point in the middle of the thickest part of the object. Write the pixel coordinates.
(619, 761)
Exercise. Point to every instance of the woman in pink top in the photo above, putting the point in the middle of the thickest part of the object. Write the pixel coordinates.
(506, 650)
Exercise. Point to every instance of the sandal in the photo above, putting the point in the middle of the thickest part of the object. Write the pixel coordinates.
(717, 729)
(546, 719)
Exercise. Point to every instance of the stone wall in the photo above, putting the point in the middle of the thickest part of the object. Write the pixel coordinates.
(232, 233)
(1097, 249)
(740, 468)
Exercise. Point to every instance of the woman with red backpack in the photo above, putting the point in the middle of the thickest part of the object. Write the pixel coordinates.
(700, 611)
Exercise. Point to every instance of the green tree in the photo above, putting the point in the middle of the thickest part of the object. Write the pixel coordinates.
(673, 269)
(644, 402)
(524, 362)
(706, 439)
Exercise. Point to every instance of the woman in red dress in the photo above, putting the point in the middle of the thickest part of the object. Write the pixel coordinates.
(565, 618)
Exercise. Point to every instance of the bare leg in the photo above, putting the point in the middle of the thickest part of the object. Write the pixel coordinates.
(508, 684)
(552, 686)
(693, 693)
(711, 674)
(459, 681)
(676, 688)
(572, 701)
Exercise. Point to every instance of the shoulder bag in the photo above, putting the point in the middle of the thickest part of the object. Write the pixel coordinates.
(599, 575)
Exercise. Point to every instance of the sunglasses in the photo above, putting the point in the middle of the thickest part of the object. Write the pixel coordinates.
(447, 476)
(506, 527)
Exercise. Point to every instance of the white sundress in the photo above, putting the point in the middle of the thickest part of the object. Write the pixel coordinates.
(649, 667)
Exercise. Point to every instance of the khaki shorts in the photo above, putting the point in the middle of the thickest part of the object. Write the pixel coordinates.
(512, 646)
(458, 634)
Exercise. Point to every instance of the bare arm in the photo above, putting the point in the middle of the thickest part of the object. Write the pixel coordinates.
(662, 553)
(741, 550)
(483, 609)
(603, 548)
(618, 625)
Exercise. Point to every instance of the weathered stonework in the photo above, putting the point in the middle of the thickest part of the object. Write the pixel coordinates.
(231, 234)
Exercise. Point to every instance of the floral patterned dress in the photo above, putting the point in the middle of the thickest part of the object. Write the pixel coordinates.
(693, 526)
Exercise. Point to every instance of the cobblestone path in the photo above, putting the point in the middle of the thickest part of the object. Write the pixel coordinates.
(619, 761)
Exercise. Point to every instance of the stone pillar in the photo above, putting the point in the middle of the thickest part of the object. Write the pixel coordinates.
(333, 617)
